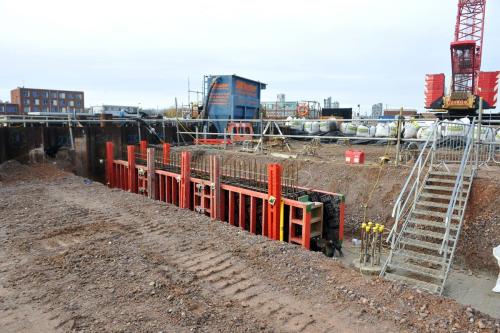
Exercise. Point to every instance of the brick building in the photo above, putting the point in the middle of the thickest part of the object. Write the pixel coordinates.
(47, 100)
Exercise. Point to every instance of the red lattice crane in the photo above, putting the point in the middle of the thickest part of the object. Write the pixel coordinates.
(468, 83)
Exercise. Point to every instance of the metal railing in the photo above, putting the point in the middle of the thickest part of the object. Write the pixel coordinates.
(417, 177)
(458, 148)
(487, 149)
(458, 202)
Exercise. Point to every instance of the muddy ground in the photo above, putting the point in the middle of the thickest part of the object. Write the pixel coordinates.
(76, 256)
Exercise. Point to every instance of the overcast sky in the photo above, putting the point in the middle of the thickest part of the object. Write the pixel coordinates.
(131, 52)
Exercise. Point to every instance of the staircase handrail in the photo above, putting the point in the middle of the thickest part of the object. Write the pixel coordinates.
(457, 189)
(420, 163)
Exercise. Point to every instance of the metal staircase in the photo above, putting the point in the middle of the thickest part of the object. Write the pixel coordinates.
(429, 212)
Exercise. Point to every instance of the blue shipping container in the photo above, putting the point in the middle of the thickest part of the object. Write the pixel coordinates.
(232, 97)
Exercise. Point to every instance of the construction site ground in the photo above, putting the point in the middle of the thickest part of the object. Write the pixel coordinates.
(77, 256)
(371, 190)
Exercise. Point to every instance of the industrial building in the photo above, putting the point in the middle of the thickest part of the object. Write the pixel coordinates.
(47, 100)
(115, 110)
(9, 109)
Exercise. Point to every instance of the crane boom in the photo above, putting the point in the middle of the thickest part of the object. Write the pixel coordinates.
(466, 49)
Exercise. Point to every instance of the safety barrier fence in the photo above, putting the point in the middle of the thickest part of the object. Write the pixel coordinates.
(262, 199)
(487, 148)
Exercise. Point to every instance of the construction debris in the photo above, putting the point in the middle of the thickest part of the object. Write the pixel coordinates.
(285, 156)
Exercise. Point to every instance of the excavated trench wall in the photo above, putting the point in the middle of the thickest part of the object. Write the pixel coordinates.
(89, 141)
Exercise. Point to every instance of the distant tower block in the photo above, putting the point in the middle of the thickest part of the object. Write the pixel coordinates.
(281, 100)
(377, 110)
(328, 103)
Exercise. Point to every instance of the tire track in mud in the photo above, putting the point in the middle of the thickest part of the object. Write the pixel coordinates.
(222, 273)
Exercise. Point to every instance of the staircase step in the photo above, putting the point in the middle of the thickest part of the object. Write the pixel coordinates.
(432, 204)
(438, 188)
(442, 173)
(433, 224)
(440, 196)
(426, 233)
(443, 180)
(420, 256)
(422, 244)
(434, 214)
(431, 287)
(417, 269)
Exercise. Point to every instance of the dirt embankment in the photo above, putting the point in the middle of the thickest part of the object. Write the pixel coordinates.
(481, 231)
(80, 257)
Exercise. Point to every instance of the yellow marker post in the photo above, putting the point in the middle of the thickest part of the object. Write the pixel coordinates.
(282, 220)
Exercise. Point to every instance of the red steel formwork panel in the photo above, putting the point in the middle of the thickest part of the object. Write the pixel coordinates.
(274, 200)
(120, 175)
(110, 158)
(151, 173)
(185, 184)
(487, 88)
(202, 196)
(166, 153)
(300, 217)
(132, 171)
(215, 189)
(434, 90)
(244, 204)
(143, 149)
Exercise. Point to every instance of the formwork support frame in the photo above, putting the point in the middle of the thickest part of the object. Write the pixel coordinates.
(274, 200)
(132, 172)
(215, 190)
(185, 180)
(241, 211)
(151, 173)
(166, 153)
(110, 158)
(143, 145)
(253, 215)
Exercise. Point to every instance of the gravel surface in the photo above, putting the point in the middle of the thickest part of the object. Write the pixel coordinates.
(77, 256)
